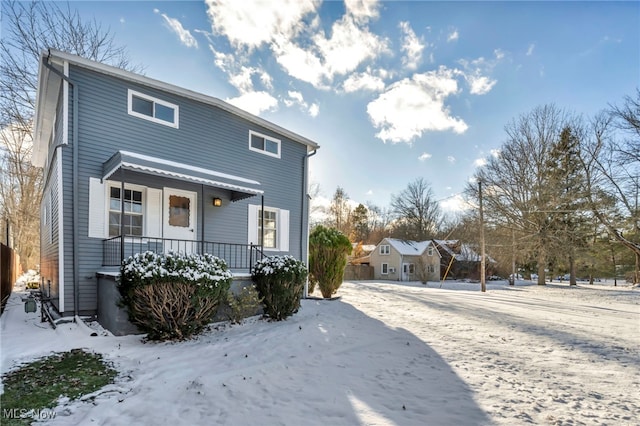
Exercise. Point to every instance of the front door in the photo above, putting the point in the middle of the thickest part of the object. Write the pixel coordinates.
(179, 220)
(407, 271)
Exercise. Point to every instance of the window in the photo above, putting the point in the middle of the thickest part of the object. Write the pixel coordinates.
(385, 269)
(133, 211)
(430, 251)
(270, 226)
(264, 144)
(384, 249)
(179, 211)
(431, 268)
(412, 268)
(153, 109)
(276, 228)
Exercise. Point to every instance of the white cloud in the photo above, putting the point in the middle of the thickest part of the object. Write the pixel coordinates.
(299, 63)
(530, 49)
(495, 153)
(412, 46)
(184, 35)
(255, 102)
(410, 107)
(251, 24)
(242, 80)
(424, 156)
(455, 203)
(363, 81)
(453, 36)
(479, 162)
(451, 159)
(296, 98)
(362, 10)
(475, 72)
(369, 192)
(282, 25)
(479, 84)
(349, 46)
(314, 110)
(224, 61)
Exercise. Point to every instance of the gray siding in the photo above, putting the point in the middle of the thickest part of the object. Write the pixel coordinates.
(49, 238)
(208, 137)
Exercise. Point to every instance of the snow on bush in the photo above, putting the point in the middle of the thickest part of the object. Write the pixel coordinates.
(173, 295)
(280, 282)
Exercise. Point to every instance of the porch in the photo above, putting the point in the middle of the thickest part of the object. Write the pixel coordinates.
(239, 257)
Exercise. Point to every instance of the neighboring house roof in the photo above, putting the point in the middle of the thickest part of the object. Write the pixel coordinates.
(408, 247)
(368, 248)
(47, 95)
(462, 252)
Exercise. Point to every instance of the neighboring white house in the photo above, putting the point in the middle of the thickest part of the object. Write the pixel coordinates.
(404, 260)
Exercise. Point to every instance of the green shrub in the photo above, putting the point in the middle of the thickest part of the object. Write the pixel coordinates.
(328, 250)
(280, 282)
(173, 296)
(244, 304)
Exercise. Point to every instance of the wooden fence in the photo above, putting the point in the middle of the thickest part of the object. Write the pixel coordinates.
(358, 272)
(9, 272)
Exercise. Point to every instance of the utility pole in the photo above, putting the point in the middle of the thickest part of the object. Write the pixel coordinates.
(483, 284)
(512, 279)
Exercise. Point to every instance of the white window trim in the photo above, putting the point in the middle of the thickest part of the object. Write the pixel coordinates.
(430, 251)
(264, 151)
(382, 272)
(282, 227)
(387, 250)
(176, 116)
(107, 201)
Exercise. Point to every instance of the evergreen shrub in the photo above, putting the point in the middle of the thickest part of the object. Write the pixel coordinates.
(328, 250)
(280, 282)
(173, 296)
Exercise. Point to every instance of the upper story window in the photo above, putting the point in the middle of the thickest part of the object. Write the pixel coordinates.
(384, 249)
(430, 251)
(264, 144)
(153, 109)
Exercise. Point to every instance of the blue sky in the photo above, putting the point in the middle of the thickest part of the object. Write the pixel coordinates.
(392, 91)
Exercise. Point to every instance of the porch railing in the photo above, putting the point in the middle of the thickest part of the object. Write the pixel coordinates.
(237, 256)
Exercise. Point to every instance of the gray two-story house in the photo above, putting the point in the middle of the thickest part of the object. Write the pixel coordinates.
(134, 164)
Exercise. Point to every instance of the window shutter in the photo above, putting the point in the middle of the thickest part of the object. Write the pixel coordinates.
(97, 211)
(252, 225)
(154, 213)
(283, 229)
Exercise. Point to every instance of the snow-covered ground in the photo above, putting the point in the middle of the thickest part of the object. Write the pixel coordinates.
(383, 354)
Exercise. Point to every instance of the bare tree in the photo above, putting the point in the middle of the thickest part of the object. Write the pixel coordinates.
(340, 212)
(518, 194)
(28, 28)
(418, 214)
(611, 161)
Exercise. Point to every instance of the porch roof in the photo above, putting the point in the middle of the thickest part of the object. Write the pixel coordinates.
(238, 186)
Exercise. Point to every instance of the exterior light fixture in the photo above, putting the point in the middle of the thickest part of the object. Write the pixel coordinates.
(217, 202)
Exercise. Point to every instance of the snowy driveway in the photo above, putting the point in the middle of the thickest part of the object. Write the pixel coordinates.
(383, 354)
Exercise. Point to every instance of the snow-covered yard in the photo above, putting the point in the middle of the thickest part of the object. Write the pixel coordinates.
(383, 354)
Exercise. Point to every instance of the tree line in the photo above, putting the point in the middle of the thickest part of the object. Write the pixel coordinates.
(561, 196)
